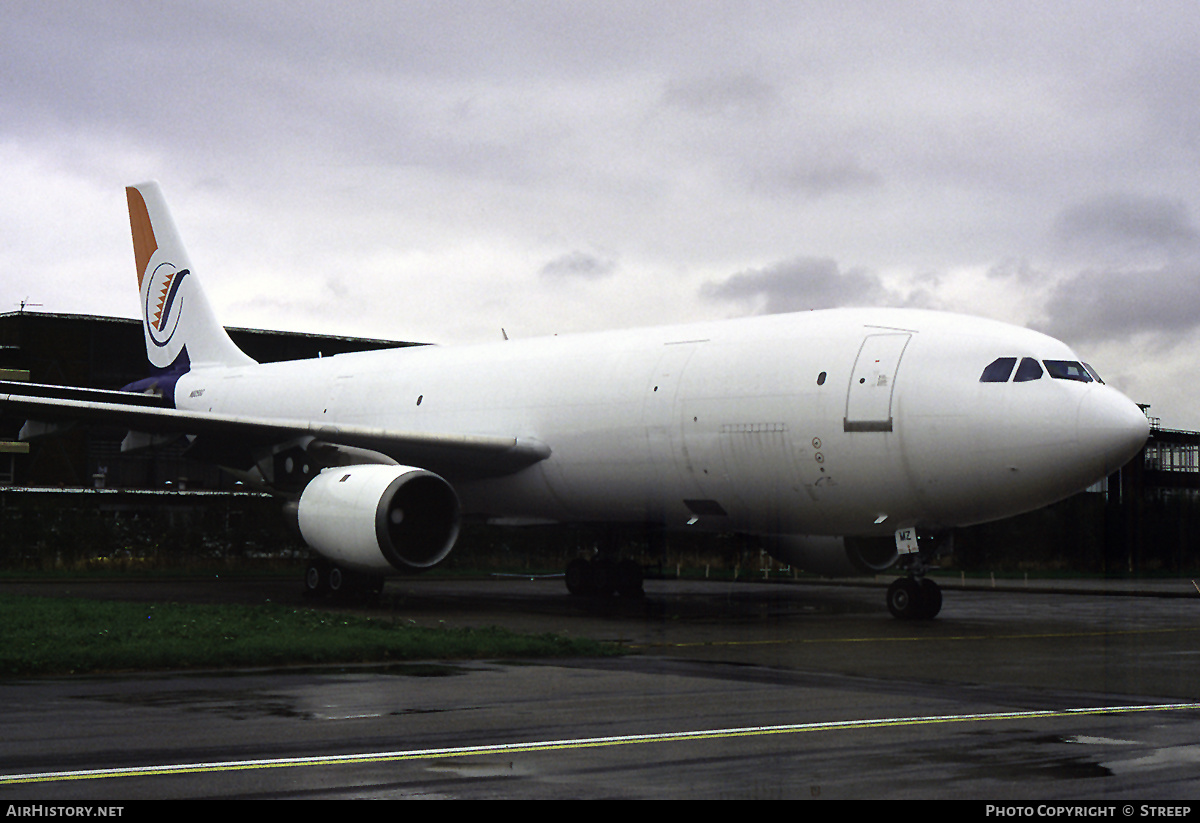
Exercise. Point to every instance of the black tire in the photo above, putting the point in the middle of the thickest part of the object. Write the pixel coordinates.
(336, 580)
(579, 576)
(316, 580)
(629, 579)
(931, 592)
(906, 599)
(604, 577)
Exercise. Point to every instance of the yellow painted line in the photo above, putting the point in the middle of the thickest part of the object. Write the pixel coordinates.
(578, 743)
(914, 639)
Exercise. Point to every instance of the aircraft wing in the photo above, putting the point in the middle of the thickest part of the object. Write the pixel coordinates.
(455, 455)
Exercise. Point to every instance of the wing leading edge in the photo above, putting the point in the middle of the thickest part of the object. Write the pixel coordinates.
(456, 455)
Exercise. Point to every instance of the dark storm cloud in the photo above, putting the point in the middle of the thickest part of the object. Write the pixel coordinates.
(1146, 281)
(802, 284)
(1111, 304)
(1128, 222)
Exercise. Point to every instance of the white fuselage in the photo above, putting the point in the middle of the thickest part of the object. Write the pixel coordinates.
(847, 422)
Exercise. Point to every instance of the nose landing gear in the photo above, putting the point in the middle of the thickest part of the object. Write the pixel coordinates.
(916, 597)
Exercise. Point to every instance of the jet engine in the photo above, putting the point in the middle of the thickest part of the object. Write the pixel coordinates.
(833, 556)
(379, 518)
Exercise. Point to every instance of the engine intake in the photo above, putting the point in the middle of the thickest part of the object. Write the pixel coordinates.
(377, 518)
(833, 556)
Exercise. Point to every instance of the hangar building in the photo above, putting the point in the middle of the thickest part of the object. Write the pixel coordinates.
(108, 353)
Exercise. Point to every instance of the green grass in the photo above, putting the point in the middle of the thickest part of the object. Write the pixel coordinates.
(54, 636)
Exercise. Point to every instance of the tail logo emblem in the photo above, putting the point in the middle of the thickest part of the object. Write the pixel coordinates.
(163, 306)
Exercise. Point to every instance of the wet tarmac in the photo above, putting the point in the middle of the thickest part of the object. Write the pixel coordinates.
(1022, 692)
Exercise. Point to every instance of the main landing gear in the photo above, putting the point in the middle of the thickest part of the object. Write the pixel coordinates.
(324, 579)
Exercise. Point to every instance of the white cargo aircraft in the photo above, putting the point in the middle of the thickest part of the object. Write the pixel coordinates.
(808, 430)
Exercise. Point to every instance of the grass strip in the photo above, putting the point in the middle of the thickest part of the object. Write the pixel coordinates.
(54, 636)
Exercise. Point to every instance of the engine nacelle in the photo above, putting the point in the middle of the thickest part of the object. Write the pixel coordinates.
(833, 556)
(378, 518)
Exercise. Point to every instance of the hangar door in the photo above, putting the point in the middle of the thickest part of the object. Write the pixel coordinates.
(872, 381)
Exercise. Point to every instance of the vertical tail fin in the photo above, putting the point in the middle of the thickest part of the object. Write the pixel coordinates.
(181, 330)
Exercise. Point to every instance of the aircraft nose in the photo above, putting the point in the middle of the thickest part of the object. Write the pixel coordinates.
(1110, 426)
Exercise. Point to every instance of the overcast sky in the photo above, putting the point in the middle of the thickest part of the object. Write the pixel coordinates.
(437, 171)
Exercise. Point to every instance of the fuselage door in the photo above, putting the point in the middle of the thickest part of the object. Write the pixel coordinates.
(872, 382)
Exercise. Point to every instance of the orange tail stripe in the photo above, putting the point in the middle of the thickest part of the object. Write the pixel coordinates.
(144, 243)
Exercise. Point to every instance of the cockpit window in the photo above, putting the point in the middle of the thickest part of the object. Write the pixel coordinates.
(1028, 370)
(1068, 370)
(998, 370)
(1095, 375)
